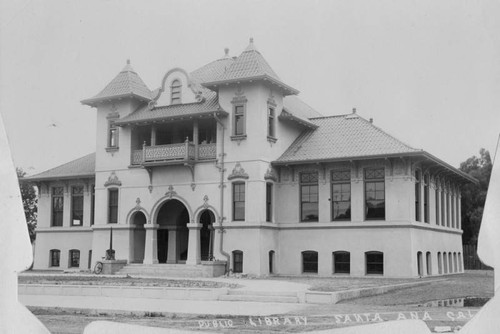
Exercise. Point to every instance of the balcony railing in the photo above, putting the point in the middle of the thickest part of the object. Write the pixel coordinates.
(173, 152)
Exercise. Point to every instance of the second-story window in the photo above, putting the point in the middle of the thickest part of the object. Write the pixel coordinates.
(271, 127)
(239, 201)
(269, 202)
(175, 92)
(112, 206)
(374, 193)
(341, 195)
(417, 194)
(57, 206)
(309, 197)
(112, 135)
(239, 120)
(426, 198)
(76, 206)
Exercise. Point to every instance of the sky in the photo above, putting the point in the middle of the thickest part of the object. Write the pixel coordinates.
(427, 72)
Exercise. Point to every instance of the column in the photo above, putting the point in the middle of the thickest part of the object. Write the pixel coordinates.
(195, 138)
(194, 255)
(151, 247)
(153, 135)
(172, 244)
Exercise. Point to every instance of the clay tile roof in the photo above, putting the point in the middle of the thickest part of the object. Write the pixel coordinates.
(126, 83)
(249, 65)
(345, 136)
(81, 167)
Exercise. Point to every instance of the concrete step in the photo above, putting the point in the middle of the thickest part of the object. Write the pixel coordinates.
(163, 270)
(239, 292)
(262, 299)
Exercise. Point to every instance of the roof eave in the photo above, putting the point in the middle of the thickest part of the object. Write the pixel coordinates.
(94, 101)
(290, 117)
(170, 118)
(288, 90)
(34, 178)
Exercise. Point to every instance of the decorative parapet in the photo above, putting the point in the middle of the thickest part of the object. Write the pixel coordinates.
(238, 173)
(113, 180)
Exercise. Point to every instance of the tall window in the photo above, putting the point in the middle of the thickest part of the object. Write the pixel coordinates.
(113, 206)
(310, 262)
(437, 203)
(448, 209)
(417, 194)
(57, 206)
(341, 195)
(55, 255)
(92, 206)
(74, 258)
(238, 201)
(452, 197)
(269, 202)
(309, 197)
(239, 120)
(375, 193)
(112, 135)
(271, 128)
(443, 207)
(374, 263)
(175, 92)
(341, 262)
(237, 261)
(76, 206)
(426, 198)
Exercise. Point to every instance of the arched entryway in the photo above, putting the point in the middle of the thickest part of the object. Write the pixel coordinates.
(138, 237)
(207, 219)
(173, 233)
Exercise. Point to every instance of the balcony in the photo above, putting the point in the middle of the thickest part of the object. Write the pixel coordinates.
(173, 153)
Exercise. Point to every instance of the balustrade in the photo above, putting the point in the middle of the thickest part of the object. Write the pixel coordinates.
(173, 152)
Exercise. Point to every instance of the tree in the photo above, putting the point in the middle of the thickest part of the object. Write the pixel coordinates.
(474, 195)
(30, 201)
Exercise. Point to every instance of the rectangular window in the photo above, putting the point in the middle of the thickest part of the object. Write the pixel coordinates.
(269, 202)
(310, 262)
(112, 135)
(374, 263)
(417, 195)
(452, 210)
(76, 206)
(374, 193)
(448, 210)
(74, 258)
(437, 206)
(92, 206)
(341, 195)
(309, 197)
(443, 209)
(341, 262)
(237, 261)
(239, 120)
(176, 89)
(55, 255)
(270, 122)
(57, 206)
(426, 198)
(112, 206)
(238, 201)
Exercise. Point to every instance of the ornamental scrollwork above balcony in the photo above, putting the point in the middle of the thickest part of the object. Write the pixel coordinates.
(113, 180)
(238, 173)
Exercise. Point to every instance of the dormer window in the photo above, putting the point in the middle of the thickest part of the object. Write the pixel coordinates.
(175, 92)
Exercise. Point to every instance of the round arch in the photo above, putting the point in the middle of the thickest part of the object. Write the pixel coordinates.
(158, 205)
(131, 214)
(199, 211)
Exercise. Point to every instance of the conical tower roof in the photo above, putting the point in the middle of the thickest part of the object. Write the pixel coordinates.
(126, 84)
(250, 66)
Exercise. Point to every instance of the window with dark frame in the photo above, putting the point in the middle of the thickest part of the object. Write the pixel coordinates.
(374, 193)
(309, 197)
(55, 255)
(238, 201)
(374, 263)
(112, 206)
(92, 206)
(447, 209)
(175, 92)
(269, 202)
(310, 262)
(57, 206)
(341, 262)
(418, 188)
(74, 258)
(271, 127)
(237, 261)
(426, 198)
(112, 135)
(341, 195)
(443, 207)
(437, 196)
(239, 120)
(76, 206)
(452, 198)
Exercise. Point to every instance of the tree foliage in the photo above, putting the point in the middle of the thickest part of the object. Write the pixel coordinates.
(30, 201)
(474, 195)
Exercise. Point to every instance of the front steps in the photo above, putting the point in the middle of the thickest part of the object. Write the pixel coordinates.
(260, 296)
(212, 269)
